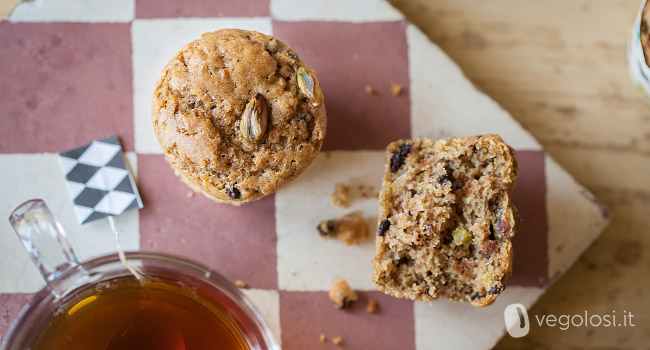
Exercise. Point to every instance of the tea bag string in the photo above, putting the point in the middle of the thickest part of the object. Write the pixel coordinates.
(135, 271)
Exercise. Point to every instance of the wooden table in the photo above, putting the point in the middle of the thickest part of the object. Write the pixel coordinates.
(559, 68)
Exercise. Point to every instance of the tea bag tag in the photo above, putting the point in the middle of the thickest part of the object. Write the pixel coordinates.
(101, 185)
(98, 180)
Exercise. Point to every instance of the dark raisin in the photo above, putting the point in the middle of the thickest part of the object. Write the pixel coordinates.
(420, 279)
(399, 156)
(495, 290)
(304, 117)
(233, 193)
(292, 55)
(447, 177)
(325, 228)
(404, 260)
(485, 255)
(383, 227)
(345, 303)
(442, 178)
(476, 296)
(192, 105)
(446, 238)
(491, 237)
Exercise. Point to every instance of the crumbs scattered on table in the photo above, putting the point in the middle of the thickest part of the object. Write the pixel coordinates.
(322, 338)
(369, 89)
(342, 295)
(340, 195)
(337, 340)
(367, 191)
(351, 229)
(396, 89)
(371, 306)
(241, 284)
(190, 194)
(292, 273)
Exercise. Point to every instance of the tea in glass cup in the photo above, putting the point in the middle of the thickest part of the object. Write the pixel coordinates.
(171, 304)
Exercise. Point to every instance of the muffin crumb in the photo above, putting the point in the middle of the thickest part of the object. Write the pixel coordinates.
(369, 90)
(340, 195)
(371, 306)
(190, 194)
(350, 229)
(396, 89)
(241, 284)
(342, 295)
(322, 338)
(337, 340)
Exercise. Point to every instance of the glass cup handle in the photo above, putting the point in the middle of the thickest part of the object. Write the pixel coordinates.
(44, 238)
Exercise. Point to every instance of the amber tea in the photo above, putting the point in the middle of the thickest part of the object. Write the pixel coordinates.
(100, 305)
(126, 314)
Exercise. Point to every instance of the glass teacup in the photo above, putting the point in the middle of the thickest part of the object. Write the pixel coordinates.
(170, 302)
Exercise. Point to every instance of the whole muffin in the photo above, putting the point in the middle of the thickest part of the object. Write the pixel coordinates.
(238, 115)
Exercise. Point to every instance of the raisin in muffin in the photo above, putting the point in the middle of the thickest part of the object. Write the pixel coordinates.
(238, 115)
(446, 219)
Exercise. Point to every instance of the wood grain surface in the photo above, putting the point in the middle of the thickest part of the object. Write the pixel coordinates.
(6, 6)
(559, 68)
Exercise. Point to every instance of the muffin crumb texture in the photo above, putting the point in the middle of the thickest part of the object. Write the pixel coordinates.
(396, 89)
(231, 117)
(446, 219)
(350, 229)
(340, 195)
(342, 295)
(371, 306)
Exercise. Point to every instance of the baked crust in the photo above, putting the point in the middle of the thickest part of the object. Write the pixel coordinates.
(197, 109)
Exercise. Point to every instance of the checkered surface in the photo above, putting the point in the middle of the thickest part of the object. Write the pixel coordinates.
(76, 70)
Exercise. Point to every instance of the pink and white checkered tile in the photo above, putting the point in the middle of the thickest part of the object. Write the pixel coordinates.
(80, 70)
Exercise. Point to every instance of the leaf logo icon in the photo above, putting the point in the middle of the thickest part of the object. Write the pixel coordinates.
(516, 318)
